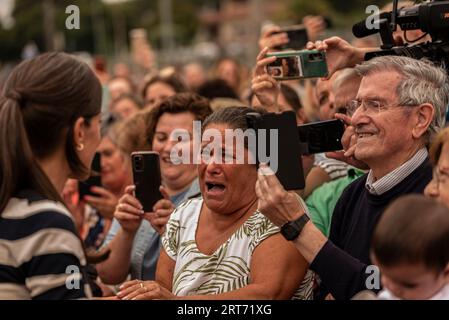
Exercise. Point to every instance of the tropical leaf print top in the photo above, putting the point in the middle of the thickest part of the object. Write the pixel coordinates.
(228, 268)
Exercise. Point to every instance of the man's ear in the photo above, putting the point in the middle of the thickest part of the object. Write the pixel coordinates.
(424, 118)
(79, 133)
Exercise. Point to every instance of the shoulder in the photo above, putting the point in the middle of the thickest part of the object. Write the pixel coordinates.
(258, 227)
(23, 217)
(186, 209)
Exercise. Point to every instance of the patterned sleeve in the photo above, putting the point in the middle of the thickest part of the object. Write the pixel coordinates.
(263, 228)
(171, 236)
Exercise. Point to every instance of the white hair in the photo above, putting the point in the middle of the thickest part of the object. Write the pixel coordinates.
(422, 82)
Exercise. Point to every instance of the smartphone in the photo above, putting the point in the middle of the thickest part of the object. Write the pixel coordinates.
(319, 137)
(297, 36)
(285, 150)
(291, 65)
(147, 178)
(93, 180)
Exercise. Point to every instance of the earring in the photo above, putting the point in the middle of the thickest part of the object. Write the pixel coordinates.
(80, 147)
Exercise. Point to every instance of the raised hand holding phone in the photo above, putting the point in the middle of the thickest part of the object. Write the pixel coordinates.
(161, 212)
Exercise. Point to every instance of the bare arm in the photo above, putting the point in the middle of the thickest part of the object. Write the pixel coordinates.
(115, 269)
(277, 270)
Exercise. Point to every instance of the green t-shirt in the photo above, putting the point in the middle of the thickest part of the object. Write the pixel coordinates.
(322, 201)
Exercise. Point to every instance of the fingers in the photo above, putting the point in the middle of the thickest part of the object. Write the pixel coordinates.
(164, 192)
(135, 288)
(130, 189)
(345, 118)
(163, 204)
(270, 30)
(120, 215)
(129, 209)
(131, 200)
(94, 201)
(101, 191)
(347, 140)
(262, 53)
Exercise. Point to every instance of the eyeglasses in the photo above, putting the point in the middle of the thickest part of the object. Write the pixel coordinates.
(369, 107)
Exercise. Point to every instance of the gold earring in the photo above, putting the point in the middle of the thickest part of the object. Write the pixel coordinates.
(80, 147)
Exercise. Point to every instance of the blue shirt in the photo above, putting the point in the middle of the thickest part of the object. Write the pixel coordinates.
(147, 242)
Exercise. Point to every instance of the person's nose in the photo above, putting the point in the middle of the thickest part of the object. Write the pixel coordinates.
(431, 189)
(359, 118)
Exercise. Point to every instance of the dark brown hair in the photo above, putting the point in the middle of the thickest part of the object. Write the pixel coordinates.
(42, 99)
(179, 103)
(172, 80)
(414, 229)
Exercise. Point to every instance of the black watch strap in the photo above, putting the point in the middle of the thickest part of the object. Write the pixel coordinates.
(291, 230)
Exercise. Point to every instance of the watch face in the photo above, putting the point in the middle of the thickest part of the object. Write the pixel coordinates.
(289, 232)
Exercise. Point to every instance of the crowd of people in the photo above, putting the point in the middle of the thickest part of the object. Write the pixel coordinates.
(378, 208)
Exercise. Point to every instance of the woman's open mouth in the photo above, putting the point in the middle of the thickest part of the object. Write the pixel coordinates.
(215, 189)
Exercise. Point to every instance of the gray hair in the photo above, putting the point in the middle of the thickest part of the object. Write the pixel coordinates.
(422, 82)
(344, 76)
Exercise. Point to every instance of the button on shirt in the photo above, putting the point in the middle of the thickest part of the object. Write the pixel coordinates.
(387, 182)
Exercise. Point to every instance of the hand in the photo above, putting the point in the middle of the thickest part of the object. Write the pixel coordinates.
(315, 26)
(349, 142)
(144, 290)
(340, 54)
(264, 86)
(129, 211)
(275, 202)
(161, 212)
(270, 40)
(105, 203)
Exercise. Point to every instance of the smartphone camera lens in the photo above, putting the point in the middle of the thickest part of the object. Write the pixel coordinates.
(138, 163)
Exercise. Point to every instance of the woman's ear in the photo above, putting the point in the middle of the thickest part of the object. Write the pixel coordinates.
(79, 133)
(424, 118)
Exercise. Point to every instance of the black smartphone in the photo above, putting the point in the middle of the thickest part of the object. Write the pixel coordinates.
(297, 36)
(323, 136)
(285, 150)
(147, 178)
(93, 180)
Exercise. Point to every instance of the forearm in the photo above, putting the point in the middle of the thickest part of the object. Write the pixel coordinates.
(342, 274)
(115, 269)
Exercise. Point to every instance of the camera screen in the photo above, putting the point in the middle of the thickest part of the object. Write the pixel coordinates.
(285, 67)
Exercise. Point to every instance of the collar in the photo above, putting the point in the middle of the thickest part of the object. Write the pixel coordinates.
(393, 178)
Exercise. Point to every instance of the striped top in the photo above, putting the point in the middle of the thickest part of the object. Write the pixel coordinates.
(384, 184)
(41, 256)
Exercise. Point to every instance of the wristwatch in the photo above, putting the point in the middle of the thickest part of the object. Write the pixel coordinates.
(292, 229)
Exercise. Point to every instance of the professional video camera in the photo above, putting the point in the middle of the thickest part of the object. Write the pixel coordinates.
(430, 17)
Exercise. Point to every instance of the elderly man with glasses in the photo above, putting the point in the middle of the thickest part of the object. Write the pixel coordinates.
(400, 104)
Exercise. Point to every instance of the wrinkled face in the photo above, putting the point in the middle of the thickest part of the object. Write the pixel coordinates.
(438, 188)
(115, 169)
(125, 108)
(226, 187)
(164, 141)
(386, 134)
(412, 282)
(157, 92)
